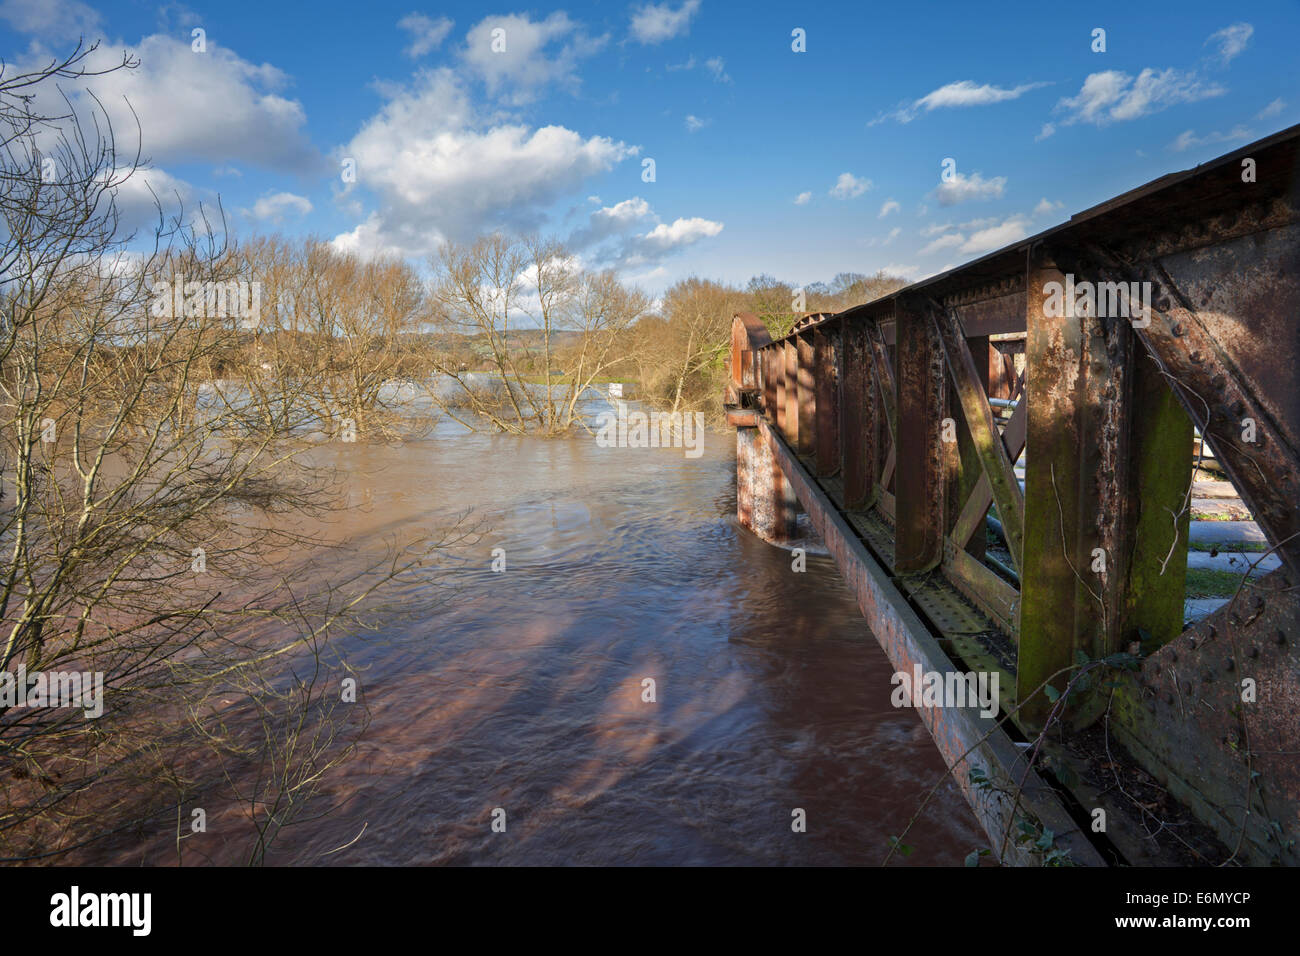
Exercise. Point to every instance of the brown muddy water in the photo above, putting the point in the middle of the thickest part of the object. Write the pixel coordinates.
(524, 690)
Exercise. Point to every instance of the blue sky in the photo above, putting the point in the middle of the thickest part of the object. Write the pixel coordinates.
(797, 164)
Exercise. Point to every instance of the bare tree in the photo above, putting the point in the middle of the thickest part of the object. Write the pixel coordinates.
(525, 303)
(139, 523)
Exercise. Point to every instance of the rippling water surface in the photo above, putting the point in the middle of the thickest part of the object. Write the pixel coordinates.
(524, 690)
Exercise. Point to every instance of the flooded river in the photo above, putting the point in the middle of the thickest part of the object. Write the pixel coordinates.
(524, 691)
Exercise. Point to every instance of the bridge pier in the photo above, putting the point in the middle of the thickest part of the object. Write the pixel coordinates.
(765, 499)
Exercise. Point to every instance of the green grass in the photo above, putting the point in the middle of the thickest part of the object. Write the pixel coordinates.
(1259, 547)
(1204, 583)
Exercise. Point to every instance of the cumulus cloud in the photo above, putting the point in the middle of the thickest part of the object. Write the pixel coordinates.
(888, 207)
(618, 235)
(426, 33)
(440, 171)
(276, 206)
(50, 19)
(615, 220)
(962, 188)
(959, 94)
(995, 237)
(527, 56)
(694, 123)
(717, 66)
(681, 232)
(803, 199)
(902, 271)
(214, 107)
(849, 186)
(656, 22)
(139, 197)
(1046, 206)
(1047, 130)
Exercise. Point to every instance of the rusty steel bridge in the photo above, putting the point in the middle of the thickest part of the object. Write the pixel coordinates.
(1127, 735)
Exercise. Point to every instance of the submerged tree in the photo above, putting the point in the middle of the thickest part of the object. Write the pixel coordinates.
(548, 330)
(144, 518)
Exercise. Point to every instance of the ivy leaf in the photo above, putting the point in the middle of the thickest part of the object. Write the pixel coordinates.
(900, 846)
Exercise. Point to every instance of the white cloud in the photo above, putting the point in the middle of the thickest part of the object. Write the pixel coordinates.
(718, 67)
(214, 107)
(618, 235)
(657, 22)
(137, 198)
(900, 270)
(682, 232)
(963, 188)
(966, 93)
(608, 221)
(694, 123)
(369, 239)
(536, 54)
(934, 228)
(426, 33)
(995, 237)
(1189, 139)
(1277, 106)
(665, 239)
(441, 171)
(849, 186)
(958, 94)
(1046, 206)
(888, 207)
(275, 207)
(1047, 130)
(53, 19)
(802, 199)
(1230, 41)
(1114, 96)
(947, 241)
